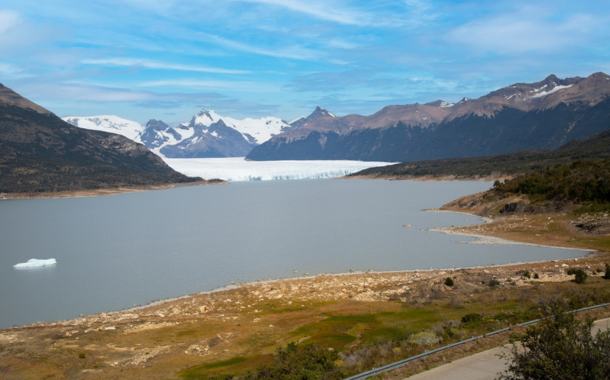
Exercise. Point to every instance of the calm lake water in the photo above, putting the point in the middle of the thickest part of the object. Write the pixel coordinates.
(116, 251)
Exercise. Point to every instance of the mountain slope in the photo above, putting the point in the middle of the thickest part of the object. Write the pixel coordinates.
(594, 147)
(545, 114)
(39, 152)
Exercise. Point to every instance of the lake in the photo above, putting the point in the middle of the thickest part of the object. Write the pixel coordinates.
(116, 251)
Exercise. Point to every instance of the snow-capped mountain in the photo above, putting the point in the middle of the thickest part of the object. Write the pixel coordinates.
(108, 123)
(543, 114)
(208, 134)
(157, 134)
(255, 131)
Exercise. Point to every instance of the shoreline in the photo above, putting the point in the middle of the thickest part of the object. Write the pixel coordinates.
(104, 192)
(590, 254)
(493, 240)
(480, 239)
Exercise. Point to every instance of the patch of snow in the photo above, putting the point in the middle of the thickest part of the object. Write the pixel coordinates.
(236, 169)
(108, 123)
(35, 263)
(185, 131)
(297, 119)
(446, 104)
(261, 129)
(554, 89)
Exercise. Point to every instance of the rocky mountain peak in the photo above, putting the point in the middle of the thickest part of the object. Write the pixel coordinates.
(440, 103)
(11, 98)
(156, 125)
(320, 112)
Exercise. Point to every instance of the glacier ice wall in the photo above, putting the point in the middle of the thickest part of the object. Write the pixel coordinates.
(236, 169)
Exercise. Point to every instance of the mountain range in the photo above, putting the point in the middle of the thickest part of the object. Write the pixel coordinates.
(206, 135)
(39, 152)
(522, 116)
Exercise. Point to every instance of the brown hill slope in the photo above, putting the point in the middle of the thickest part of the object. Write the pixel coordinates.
(39, 152)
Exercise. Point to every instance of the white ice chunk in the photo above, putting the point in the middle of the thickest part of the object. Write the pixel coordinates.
(35, 263)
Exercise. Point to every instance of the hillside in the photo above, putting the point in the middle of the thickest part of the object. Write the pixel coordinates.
(39, 152)
(541, 115)
(591, 148)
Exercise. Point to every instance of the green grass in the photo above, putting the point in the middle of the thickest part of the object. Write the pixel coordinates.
(233, 365)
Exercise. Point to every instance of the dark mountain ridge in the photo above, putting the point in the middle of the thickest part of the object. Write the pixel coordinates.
(522, 116)
(594, 147)
(39, 152)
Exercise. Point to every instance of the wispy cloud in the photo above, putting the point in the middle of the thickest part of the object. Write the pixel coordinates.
(528, 29)
(217, 84)
(8, 19)
(293, 52)
(12, 71)
(320, 10)
(130, 62)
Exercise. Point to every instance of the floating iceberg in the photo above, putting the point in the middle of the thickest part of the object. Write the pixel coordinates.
(35, 263)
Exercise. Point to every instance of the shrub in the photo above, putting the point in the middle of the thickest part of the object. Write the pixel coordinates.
(559, 347)
(472, 318)
(425, 339)
(449, 281)
(580, 276)
(493, 282)
(607, 274)
(536, 276)
(527, 274)
(571, 271)
(298, 362)
(81, 355)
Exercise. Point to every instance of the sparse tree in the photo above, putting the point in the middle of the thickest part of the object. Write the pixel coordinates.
(559, 347)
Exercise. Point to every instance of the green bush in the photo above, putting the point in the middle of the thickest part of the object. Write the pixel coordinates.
(527, 274)
(580, 276)
(449, 281)
(607, 274)
(536, 276)
(559, 347)
(81, 355)
(299, 362)
(472, 318)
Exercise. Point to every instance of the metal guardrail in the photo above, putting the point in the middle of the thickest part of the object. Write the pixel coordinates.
(400, 363)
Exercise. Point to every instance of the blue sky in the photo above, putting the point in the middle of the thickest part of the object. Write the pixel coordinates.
(143, 59)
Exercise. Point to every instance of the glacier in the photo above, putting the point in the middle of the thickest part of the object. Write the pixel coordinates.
(237, 169)
(35, 263)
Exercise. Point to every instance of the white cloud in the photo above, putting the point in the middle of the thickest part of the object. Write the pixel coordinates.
(215, 84)
(526, 30)
(295, 52)
(320, 10)
(341, 44)
(8, 19)
(11, 71)
(158, 65)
